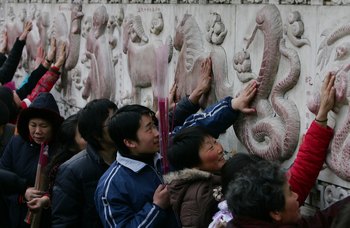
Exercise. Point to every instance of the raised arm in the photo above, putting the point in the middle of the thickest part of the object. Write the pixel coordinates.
(313, 150)
(220, 116)
(8, 69)
(190, 105)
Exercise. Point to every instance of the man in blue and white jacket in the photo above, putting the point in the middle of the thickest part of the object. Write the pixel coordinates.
(131, 192)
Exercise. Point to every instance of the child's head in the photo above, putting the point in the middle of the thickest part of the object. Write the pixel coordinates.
(133, 128)
(194, 147)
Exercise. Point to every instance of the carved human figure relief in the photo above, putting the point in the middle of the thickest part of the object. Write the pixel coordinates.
(86, 26)
(216, 34)
(43, 27)
(294, 29)
(74, 37)
(101, 81)
(72, 40)
(272, 133)
(111, 25)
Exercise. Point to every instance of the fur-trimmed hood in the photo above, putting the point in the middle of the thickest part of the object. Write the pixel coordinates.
(191, 190)
(186, 175)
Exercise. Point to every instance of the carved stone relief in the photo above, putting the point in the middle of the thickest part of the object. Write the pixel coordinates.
(101, 81)
(333, 194)
(294, 29)
(273, 133)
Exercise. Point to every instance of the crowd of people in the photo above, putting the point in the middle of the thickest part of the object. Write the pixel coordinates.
(101, 167)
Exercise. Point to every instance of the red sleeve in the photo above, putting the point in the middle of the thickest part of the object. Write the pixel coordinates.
(45, 84)
(310, 158)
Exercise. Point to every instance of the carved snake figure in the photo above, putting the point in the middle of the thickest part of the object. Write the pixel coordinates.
(263, 134)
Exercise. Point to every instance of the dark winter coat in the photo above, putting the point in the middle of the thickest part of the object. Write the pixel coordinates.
(73, 193)
(191, 196)
(322, 219)
(21, 155)
(9, 67)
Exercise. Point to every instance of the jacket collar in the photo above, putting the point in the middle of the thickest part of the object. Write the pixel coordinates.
(133, 164)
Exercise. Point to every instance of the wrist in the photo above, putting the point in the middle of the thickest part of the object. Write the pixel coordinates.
(48, 61)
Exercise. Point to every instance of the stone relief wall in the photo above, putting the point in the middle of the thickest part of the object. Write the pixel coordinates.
(287, 47)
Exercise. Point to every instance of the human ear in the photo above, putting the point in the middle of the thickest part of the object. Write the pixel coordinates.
(276, 215)
(129, 143)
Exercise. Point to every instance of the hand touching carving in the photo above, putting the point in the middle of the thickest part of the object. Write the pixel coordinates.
(242, 101)
(327, 98)
(52, 52)
(62, 57)
(173, 97)
(204, 83)
(40, 56)
(27, 28)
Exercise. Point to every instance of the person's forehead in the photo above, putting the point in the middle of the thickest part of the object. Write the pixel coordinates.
(38, 120)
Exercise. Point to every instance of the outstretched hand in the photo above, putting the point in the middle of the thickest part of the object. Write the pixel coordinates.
(40, 56)
(327, 97)
(242, 101)
(204, 83)
(52, 51)
(173, 97)
(27, 28)
(3, 42)
(62, 56)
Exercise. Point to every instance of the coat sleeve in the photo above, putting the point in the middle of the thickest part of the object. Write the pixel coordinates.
(217, 118)
(324, 218)
(65, 204)
(309, 160)
(2, 58)
(6, 160)
(11, 183)
(183, 109)
(115, 210)
(33, 79)
(8, 69)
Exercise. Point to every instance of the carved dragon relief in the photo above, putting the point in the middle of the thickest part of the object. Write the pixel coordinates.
(339, 156)
(272, 133)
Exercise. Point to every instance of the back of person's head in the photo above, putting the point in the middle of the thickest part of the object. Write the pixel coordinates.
(92, 119)
(184, 150)
(4, 114)
(342, 220)
(66, 134)
(125, 123)
(66, 143)
(6, 96)
(233, 166)
(257, 190)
